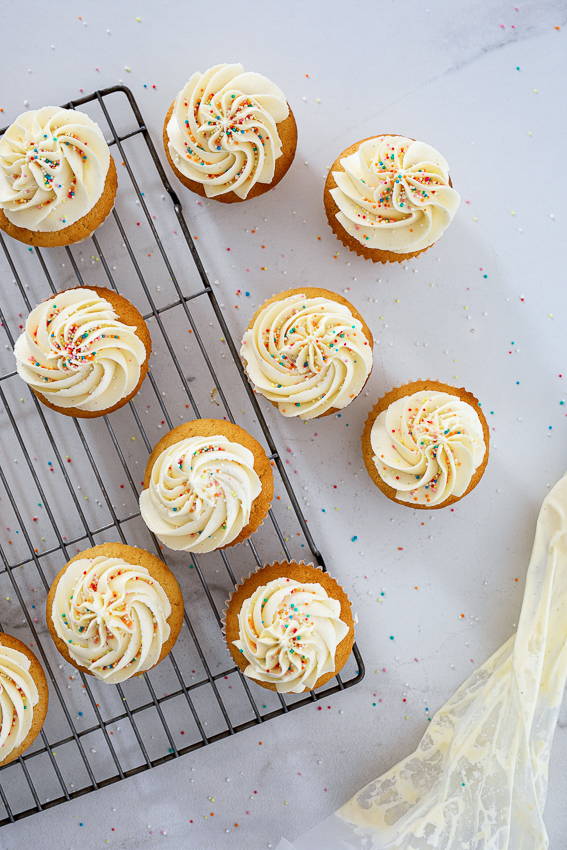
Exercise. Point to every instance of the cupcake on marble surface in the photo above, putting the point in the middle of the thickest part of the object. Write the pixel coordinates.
(230, 134)
(289, 626)
(114, 611)
(84, 352)
(389, 198)
(23, 698)
(426, 444)
(208, 484)
(57, 178)
(308, 351)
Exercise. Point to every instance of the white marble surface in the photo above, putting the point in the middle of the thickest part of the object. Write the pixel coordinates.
(485, 308)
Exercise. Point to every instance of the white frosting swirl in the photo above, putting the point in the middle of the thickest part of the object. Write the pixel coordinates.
(427, 446)
(289, 633)
(112, 615)
(307, 354)
(394, 194)
(223, 133)
(76, 353)
(53, 165)
(200, 493)
(18, 695)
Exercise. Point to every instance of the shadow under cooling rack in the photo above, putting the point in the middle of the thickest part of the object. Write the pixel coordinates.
(68, 484)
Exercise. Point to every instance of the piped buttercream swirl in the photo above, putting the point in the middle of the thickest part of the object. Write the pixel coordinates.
(289, 632)
(18, 695)
(307, 354)
(222, 132)
(112, 616)
(76, 353)
(200, 493)
(394, 194)
(427, 446)
(53, 166)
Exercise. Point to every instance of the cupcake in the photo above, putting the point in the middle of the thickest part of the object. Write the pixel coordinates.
(230, 134)
(308, 351)
(389, 198)
(114, 611)
(426, 444)
(57, 178)
(84, 352)
(208, 485)
(23, 698)
(289, 626)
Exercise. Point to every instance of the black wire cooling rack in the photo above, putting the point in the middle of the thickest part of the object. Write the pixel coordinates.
(95, 734)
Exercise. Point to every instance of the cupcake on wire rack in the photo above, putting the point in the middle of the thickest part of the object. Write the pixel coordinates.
(208, 485)
(23, 698)
(84, 352)
(289, 627)
(230, 134)
(114, 611)
(57, 177)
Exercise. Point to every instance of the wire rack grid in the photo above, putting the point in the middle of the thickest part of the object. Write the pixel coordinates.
(82, 745)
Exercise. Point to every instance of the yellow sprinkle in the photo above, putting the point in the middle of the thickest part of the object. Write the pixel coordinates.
(535, 90)
(529, 134)
(475, 218)
(133, 438)
(397, 300)
(466, 308)
(512, 213)
(138, 19)
(551, 315)
(126, 68)
(7, 599)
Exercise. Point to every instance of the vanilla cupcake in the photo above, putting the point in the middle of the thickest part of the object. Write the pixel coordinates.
(84, 352)
(426, 444)
(230, 134)
(114, 611)
(23, 698)
(57, 178)
(308, 351)
(389, 198)
(208, 485)
(289, 626)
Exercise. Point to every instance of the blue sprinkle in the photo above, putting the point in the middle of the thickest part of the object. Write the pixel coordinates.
(247, 293)
(323, 509)
(550, 427)
(354, 538)
(80, 713)
(517, 382)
